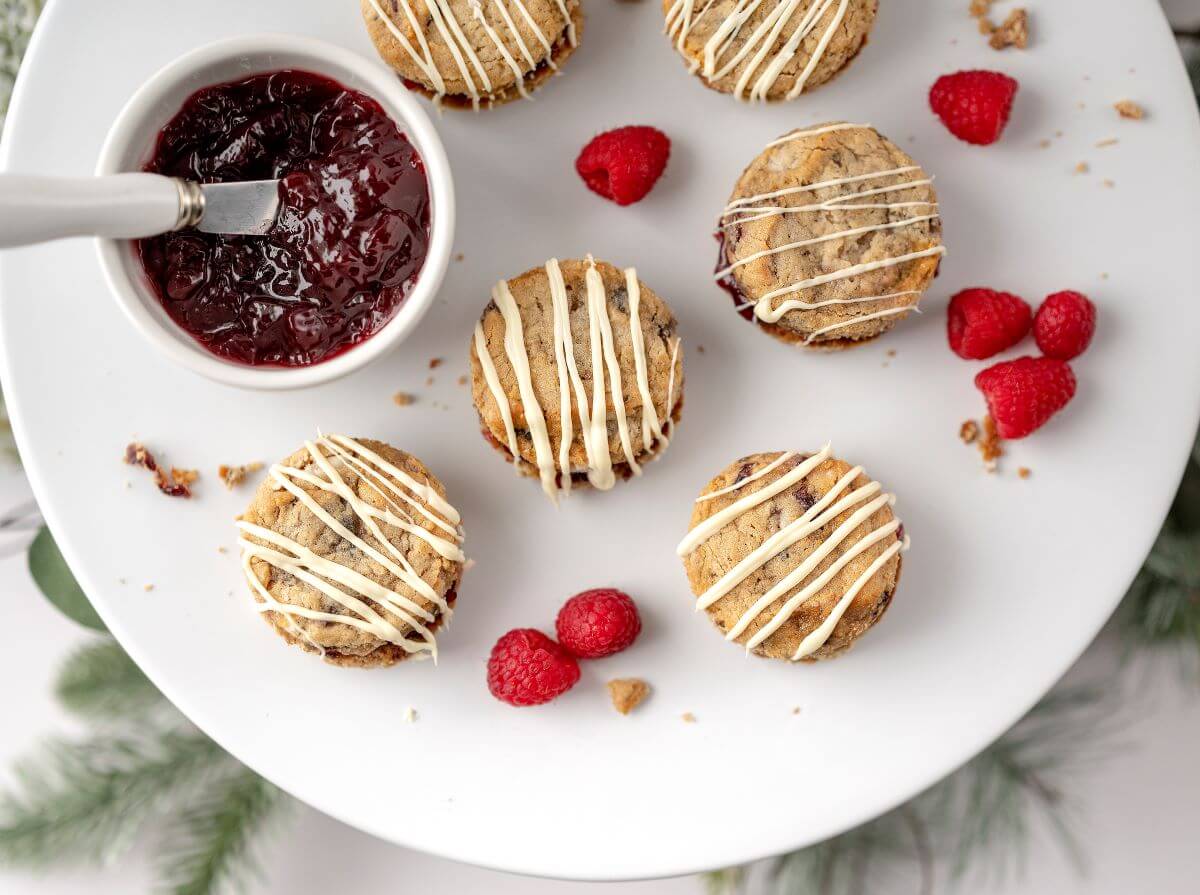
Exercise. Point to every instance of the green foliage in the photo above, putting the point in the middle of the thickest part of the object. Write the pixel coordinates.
(1162, 607)
(16, 26)
(210, 844)
(979, 819)
(87, 800)
(54, 579)
(100, 681)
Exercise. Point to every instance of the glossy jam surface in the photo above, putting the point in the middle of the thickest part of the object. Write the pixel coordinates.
(348, 242)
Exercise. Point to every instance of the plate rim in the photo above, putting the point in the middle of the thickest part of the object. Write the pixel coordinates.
(37, 476)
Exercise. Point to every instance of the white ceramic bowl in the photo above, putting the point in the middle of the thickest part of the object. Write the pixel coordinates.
(131, 141)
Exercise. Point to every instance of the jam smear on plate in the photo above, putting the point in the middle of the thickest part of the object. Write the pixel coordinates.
(348, 242)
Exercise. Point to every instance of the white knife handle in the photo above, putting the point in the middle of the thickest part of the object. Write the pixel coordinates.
(121, 206)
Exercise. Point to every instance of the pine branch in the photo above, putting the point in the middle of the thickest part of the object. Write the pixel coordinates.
(99, 681)
(209, 847)
(87, 800)
(981, 813)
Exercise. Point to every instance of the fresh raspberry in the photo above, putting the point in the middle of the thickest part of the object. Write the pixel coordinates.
(974, 105)
(1064, 325)
(1023, 394)
(624, 164)
(598, 623)
(528, 668)
(983, 322)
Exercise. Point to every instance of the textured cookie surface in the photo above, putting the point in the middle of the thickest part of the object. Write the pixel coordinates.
(795, 556)
(351, 551)
(611, 351)
(830, 236)
(770, 50)
(474, 52)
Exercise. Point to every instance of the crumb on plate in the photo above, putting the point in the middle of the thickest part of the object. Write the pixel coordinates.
(233, 476)
(1108, 141)
(1013, 32)
(403, 399)
(688, 718)
(176, 483)
(627, 693)
(1024, 472)
(968, 431)
(1127, 108)
(434, 363)
(989, 444)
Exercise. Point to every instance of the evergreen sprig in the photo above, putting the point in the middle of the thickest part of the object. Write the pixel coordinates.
(99, 681)
(17, 18)
(1162, 607)
(86, 801)
(210, 847)
(978, 819)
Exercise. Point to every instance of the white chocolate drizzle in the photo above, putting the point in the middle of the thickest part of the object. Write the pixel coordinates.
(749, 208)
(799, 585)
(366, 603)
(470, 67)
(554, 471)
(682, 17)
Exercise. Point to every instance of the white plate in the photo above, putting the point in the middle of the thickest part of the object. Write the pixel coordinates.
(1007, 580)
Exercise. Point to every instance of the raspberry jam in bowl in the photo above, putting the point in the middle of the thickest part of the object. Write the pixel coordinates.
(362, 237)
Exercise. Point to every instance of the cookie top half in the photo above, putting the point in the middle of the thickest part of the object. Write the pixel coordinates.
(351, 550)
(793, 555)
(831, 236)
(577, 373)
(768, 49)
(474, 52)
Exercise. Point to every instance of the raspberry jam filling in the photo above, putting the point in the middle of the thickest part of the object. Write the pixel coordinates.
(348, 242)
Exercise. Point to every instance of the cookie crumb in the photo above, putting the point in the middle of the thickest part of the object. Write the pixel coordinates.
(1058, 134)
(233, 476)
(1043, 144)
(627, 693)
(688, 718)
(796, 710)
(434, 363)
(410, 715)
(989, 444)
(968, 431)
(403, 399)
(428, 381)
(985, 26)
(458, 256)
(1109, 141)
(176, 484)
(891, 352)
(1108, 183)
(1127, 108)
(1082, 168)
(463, 380)
(979, 8)
(1013, 32)
(148, 587)
(699, 349)
(222, 550)
(1024, 472)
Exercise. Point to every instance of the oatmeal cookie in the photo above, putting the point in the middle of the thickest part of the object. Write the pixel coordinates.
(577, 374)
(769, 50)
(793, 555)
(830, 237)
(352, 551)
(472, 53)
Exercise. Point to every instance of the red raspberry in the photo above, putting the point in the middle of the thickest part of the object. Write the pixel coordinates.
(974, 105)
(983, 322)
(598, 623)
(1064, 325)
(528, 668)
(1023, 394)
(625, 163)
